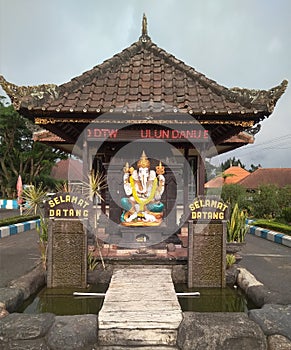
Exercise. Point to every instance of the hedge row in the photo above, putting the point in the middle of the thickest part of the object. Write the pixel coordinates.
(17, 219)
(273, 225)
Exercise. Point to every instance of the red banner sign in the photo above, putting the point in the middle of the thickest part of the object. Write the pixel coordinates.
(162, 134)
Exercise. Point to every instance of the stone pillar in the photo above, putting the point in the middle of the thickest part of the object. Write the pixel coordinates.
(206, 254)
(115, 193)
(170, 195)
(67, 254)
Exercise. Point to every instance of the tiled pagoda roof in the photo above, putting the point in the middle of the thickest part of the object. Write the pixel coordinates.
(143, 79)
(144, 76)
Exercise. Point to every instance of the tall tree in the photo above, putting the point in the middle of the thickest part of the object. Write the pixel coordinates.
(232, 162)
(254, 167)
(237, 162)
(266, 201)
(19, 154)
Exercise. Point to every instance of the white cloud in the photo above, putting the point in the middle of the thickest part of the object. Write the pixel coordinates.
(274, 45)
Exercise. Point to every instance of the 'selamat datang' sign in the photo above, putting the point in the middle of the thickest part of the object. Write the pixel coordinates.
(208, 208)
(68, 205)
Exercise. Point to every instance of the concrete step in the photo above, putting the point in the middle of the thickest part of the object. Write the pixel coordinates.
(152, 347)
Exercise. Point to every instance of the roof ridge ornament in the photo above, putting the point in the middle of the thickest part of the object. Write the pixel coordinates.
(37, 92)
(144, 30)
(256, 97)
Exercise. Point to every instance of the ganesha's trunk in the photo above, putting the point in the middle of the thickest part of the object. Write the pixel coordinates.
(144, 183)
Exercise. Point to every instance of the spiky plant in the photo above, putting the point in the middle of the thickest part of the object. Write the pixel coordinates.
(42, 230)
(230, 260)
(236, 225)
(63, 187)
(92, 262)
(34, 198)
(92, 189)
(94, 185)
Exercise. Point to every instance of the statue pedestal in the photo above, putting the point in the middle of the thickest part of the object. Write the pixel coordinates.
(136, 237)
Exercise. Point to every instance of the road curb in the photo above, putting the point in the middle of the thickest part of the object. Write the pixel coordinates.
(272, 236)
(10, 230)
(8, 204)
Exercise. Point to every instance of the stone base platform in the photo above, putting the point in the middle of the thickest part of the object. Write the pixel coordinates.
(136, 237)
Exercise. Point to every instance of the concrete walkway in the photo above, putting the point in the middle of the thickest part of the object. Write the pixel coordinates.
(140, 308)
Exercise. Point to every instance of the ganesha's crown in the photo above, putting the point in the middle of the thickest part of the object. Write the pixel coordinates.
(143, 161)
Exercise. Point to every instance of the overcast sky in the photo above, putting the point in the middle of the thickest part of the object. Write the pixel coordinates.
(236, 43)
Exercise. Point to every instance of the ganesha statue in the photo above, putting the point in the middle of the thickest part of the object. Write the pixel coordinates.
(144, 188)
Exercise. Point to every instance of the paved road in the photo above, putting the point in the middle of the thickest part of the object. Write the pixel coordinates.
(270, 263)
(8, 213)
(18, 255)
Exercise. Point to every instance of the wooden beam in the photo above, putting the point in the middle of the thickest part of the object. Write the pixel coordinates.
(201, 173)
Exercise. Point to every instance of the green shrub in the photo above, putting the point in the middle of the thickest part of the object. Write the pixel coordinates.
(266, 202)
(17, 220)
(286, 214)
(230, 260)
(285, 196)
(234, 193)
(273, 225)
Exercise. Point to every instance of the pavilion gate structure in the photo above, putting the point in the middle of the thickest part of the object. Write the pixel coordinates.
(145, 99)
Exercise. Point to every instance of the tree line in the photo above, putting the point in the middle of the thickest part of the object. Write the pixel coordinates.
(20, 155)
(268, 201)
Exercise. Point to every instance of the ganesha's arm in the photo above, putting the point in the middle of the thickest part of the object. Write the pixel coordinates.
(127, 185)
(160, 188)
